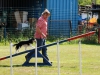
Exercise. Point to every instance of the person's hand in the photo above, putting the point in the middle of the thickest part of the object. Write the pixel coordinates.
(44, 35)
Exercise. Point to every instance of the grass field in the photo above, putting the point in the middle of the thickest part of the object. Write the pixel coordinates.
(69, 61)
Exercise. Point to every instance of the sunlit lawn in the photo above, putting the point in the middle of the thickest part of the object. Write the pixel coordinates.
(69, 61)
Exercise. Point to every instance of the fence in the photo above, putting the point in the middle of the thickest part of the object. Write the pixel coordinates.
(19, 22)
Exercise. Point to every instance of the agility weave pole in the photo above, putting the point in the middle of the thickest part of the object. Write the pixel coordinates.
(11, 64)
(36, 59)
(58, 57)
(80, 57)
(69, 39)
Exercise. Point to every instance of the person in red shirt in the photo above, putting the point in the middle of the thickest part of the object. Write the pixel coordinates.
(41, 33)
(41, 26)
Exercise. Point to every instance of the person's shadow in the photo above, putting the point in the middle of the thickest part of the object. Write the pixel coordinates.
(9, 66)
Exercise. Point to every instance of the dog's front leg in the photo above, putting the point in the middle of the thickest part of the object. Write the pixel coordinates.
(17, 51)
(25, 48)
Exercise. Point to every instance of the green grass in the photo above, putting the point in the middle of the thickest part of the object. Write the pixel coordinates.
(69, 61)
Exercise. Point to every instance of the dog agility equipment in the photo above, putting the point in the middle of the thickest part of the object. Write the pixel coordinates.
(40, 55)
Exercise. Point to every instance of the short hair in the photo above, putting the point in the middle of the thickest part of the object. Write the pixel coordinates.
(46, 11)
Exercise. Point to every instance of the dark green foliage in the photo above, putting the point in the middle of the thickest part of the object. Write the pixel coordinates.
(90, 39)
(87, 2)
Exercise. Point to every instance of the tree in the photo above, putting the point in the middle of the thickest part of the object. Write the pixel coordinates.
(87, 2)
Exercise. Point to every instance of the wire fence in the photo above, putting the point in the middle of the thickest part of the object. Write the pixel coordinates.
(19, 22)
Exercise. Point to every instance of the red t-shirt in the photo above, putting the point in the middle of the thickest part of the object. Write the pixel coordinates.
(42, 25)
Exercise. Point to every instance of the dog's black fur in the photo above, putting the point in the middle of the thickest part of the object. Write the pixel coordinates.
(24, 43)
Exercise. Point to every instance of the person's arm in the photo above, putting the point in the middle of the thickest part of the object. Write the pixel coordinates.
(39, 31)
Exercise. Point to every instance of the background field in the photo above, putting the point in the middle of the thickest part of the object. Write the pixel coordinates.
(69, 61)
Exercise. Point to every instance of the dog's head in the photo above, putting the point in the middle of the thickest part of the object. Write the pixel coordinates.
(31, 40)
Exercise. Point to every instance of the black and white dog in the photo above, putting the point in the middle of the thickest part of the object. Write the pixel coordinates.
(24, 43)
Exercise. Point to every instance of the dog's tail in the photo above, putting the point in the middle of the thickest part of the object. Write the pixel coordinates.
(14, 44)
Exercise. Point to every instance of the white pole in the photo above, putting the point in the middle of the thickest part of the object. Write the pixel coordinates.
(58, 57)
(80, 57)
(36, 59)
(11, 64)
